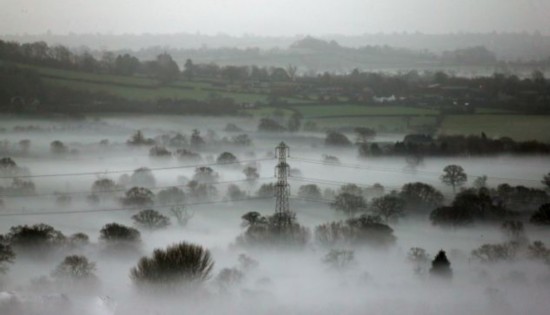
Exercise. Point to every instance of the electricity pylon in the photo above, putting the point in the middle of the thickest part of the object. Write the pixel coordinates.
(282, 188)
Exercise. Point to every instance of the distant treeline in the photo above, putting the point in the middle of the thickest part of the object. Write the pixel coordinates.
(454, 145)
(413, 88)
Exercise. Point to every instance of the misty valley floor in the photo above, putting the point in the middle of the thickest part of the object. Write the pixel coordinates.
(285, 281)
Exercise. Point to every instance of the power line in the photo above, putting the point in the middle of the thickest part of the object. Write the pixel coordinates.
(333, 182)
(412, 172)
(13, 213)
(127, 171)
(82, 192)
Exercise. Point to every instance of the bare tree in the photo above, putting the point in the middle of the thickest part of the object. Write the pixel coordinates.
(454, 176)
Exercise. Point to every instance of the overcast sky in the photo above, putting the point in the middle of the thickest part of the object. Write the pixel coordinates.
(273, 17)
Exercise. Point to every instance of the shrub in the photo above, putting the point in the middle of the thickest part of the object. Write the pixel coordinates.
(178, 264)
(151, 220)
(114, 232)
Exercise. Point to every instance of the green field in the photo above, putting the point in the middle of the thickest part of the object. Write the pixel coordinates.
(151, 93)
(518, 127)
(327, 111)
(392, 124)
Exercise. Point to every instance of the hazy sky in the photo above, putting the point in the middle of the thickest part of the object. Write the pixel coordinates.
(273, 17)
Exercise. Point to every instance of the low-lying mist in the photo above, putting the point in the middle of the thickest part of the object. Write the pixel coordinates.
(206, 207)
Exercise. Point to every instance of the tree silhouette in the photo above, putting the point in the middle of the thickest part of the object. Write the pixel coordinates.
(75, 267)
(388, 207)
(178, 264)
(349, 203)
(542, 216)
(138, 196)
(6, 254)
(150, 219)
(441, 266)
(454, 176)
(546, 180)
(226, 158)
(421, 197)
(114, 232)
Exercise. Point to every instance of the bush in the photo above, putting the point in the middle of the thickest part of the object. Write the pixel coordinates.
(182, 263)
(151, 220)
(114, 233)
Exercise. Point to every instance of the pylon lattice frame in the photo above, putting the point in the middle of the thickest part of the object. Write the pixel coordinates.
(282, 188)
